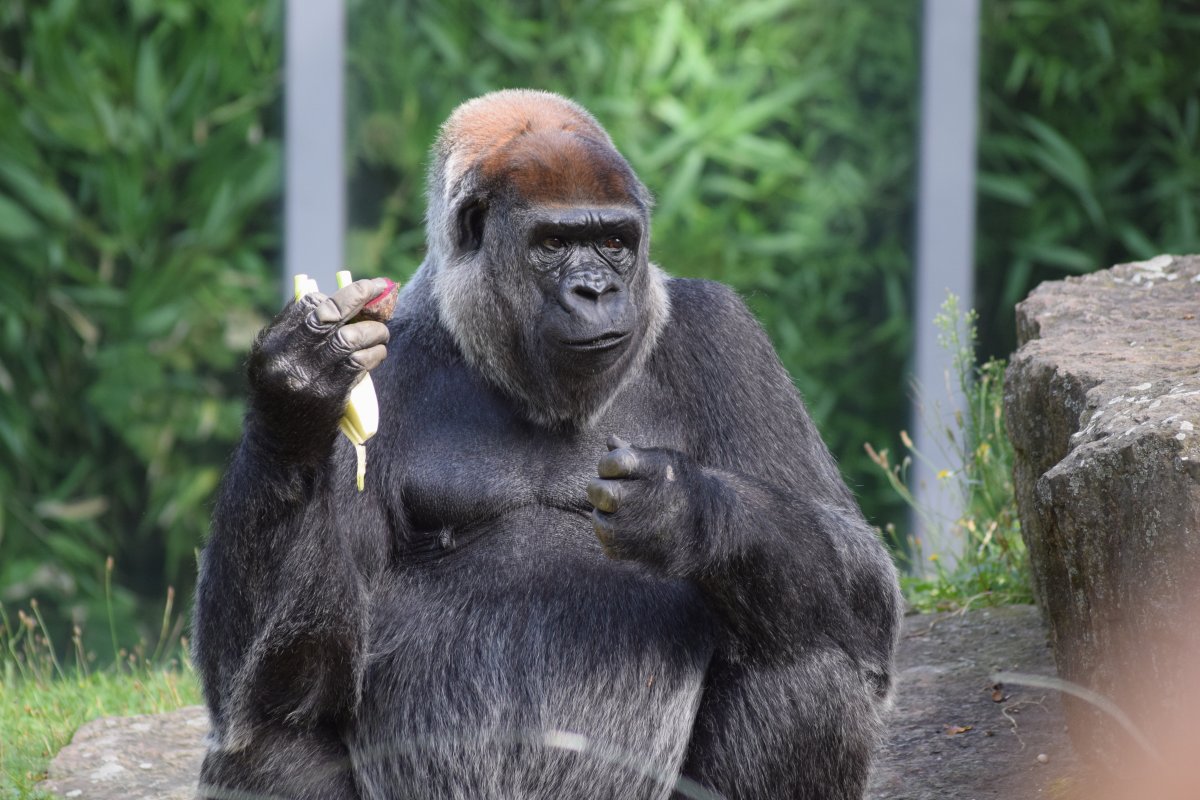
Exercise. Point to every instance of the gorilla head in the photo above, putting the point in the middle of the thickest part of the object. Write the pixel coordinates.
(539, 236)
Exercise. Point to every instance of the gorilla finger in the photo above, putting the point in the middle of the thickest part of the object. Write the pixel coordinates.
(304, 304)
(370, 358)
(301, 313)
(604, 495)
(623, 463)
(360, 336)
(348, 301)
(616, 442)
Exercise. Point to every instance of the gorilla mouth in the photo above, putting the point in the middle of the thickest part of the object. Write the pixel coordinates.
(604, 341)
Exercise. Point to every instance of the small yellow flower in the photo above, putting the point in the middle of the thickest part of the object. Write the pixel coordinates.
(934, 558)
(943, 474)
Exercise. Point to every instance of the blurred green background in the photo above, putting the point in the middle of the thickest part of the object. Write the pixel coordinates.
(140, 190)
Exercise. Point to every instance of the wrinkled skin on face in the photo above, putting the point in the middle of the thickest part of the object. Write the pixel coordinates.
(575, 270)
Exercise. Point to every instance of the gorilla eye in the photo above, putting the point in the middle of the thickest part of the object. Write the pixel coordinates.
(553, 243)
(614, 243)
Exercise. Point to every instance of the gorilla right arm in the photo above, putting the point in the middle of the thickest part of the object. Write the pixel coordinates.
(279, 622)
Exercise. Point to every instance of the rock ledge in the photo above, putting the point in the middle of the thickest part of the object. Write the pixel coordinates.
(1103, 408)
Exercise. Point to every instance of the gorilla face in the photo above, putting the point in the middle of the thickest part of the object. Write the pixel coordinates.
(581, 258)
(568, 299)
(548, 289)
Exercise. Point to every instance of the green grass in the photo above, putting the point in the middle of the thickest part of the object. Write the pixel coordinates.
(39, 716)
(993, 565)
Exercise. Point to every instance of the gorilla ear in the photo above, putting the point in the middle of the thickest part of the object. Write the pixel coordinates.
(471, 217)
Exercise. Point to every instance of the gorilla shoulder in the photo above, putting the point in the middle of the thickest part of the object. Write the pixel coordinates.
(711, 321)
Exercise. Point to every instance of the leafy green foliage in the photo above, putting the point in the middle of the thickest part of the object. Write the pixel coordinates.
(993, 567)
(1090, 143)
(776, 136)
(139, 175)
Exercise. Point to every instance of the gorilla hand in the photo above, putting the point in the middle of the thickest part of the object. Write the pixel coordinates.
(303, 365)
(642, 506)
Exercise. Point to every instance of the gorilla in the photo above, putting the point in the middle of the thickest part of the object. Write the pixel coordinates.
(602, 551)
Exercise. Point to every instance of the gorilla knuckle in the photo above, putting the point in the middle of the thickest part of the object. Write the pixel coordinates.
(618, 464)
(341, 344)
(604, 495)
(369, 358)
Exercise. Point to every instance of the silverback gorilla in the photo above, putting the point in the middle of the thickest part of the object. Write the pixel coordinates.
(602, 551)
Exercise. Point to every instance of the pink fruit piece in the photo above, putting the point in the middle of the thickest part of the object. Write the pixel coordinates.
(381, 307)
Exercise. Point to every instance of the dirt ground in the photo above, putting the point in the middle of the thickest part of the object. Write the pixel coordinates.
(953, 734)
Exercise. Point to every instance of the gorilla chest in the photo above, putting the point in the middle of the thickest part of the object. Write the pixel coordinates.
(464, 481)
(475, 472)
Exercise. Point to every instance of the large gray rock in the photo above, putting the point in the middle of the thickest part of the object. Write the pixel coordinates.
(1102, 402)
(952, 734)
(148, 757)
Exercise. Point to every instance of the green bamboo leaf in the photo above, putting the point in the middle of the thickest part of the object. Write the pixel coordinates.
(217, 220)
(453, 56)
(1062, 256)
(1064, 161)
(1102, 39)
(67, 549)
(1017, 71)
(666, 42)
(148, 89)
(1137, 243)
(682, 184)
(40, 195)
(774, 106)
(1016, 282)
(1007, 188)
(749, 15)
(15, 223)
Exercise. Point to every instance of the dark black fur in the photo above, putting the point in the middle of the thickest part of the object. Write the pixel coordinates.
(708, 602)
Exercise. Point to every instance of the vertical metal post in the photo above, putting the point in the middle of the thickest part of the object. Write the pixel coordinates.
(314, 138)
(945, 251)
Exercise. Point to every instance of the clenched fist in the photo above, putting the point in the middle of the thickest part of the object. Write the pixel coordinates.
(641, 501)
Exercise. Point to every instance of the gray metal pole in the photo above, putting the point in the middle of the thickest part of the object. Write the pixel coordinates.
(945, 253)
(314, 137)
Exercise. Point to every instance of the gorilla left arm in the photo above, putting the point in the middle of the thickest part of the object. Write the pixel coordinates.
(756, 513)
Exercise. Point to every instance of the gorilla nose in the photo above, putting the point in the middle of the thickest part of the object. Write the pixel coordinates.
(589, 292)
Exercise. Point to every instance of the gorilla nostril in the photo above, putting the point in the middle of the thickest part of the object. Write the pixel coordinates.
(595, 291)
